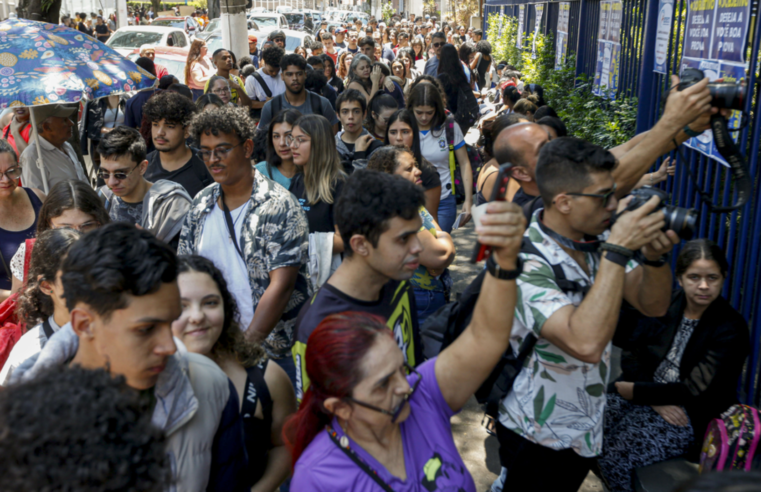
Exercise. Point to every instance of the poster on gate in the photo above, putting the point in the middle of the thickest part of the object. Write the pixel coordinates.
(521, 15)
(714, 42)
(608, 47)
(561, 42)
(663, 35)
(502, 11)
(537, 27)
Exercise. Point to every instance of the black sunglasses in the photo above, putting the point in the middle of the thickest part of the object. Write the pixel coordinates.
(436, 45)
(394, 412)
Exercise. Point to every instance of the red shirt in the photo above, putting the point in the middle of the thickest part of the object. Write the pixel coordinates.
(161, 70)
(333, 56)
(25, 132)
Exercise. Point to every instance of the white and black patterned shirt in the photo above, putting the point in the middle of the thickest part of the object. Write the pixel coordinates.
(668, 370)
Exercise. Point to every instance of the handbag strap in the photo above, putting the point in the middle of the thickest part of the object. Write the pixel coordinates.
(49, 332)
(6, 267)
(359, 461)
(28, 245)
(230, 224)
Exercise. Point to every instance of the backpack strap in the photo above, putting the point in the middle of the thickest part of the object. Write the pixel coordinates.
(567, 286)
(449, 128)
(314, 102)
(28, 246)
(47, 329)
(277, 105)
(264, 85)
(528, 208)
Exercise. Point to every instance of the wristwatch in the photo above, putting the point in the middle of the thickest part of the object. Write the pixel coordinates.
(655, 263)
(494, 269)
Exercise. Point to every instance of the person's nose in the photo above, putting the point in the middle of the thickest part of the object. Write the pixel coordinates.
(195, 314)
(416, 247)
(165, 345)
(703, 285)
(112, 181)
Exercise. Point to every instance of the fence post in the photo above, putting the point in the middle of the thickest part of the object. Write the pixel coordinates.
(645, 106)
(582, 40)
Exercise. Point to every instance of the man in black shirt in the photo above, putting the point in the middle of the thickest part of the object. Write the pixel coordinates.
(170, 114)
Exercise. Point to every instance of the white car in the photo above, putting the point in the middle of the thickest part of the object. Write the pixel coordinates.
(269, 22)
(127, 38)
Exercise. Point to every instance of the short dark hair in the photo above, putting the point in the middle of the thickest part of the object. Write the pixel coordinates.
(369, 200)
(315, 81)
(478, 31)
(326, 35)
(293, 59)
(565, 165)
(315, 60)
(351, 95)
(170, 106)
(147, 65)
(273, 55)
(316, 46)
(554, 123)
(438, 34)
(72, 428)
(112, 262)
(121, 141)
(227, 119)
(543, 111)
(367, 40)
(511, 94)
(698, 249)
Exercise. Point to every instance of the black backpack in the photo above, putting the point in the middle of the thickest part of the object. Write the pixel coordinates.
(468, 111)
(257, 113)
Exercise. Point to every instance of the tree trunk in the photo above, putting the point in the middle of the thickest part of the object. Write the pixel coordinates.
(156, 6)
(32, 10)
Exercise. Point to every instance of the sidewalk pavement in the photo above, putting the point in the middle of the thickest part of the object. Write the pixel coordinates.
(479, 451)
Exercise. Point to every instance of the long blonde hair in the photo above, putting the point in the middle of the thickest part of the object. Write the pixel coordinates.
(194, 54)
(324, 166)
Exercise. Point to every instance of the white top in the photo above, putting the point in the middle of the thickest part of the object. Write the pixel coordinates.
(29, 344)
(113, 117)
(275, 84)
(217, 246)
(59, 165)
(434, 147)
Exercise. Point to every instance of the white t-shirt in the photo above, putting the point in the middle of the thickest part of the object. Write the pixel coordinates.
(29, 345)
(275, 84)
(434, 147)
(217, 246)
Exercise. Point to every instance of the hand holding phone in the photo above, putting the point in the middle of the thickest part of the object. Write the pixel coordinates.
(498, 193)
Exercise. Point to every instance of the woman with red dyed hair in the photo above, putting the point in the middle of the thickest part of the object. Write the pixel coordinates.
(365, 423)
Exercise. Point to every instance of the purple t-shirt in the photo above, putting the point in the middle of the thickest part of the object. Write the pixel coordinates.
(430, 456)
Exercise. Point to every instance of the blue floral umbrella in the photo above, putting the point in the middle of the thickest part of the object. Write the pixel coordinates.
(43, 63)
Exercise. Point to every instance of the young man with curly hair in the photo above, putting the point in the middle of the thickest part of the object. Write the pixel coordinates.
(269, 76)
(120, 287)
(170, 114)
(253, 230)
(377, 216)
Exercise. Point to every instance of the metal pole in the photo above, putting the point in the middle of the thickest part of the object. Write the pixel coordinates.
(40, 166)
(645, 115)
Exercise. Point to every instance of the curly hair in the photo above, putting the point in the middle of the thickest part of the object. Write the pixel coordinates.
(77, 429)
(227, 119)
(34, 306)
(273, 55)
(171, 107)
(231, 342)
(385, 159)
(341, 65)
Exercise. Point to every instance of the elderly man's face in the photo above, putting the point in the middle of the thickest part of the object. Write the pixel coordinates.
(151, 54)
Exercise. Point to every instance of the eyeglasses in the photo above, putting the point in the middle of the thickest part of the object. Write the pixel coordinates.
(226, 90)
(279, 40)
(290, 140)
(12, 173)
(436, 45)
(605, 196)
(220, 152)
(86, 227)
(394, 412)
(119, 175)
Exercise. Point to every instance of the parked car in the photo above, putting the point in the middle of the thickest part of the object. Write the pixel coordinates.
(172, 58)
(299, 21)
(214, 40)
(269, 22)
(191, 26)
(213, 26)
(127, 38)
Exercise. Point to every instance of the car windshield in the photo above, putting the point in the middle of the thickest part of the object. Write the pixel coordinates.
(213, 25)
(292, 42)
(213, 43)
(265, 22)
(179, 23)
(134, 39)
(294, 18)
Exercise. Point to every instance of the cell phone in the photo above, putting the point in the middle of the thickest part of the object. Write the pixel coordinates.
(498, 193)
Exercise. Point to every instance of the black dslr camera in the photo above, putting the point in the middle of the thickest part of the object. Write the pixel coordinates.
(683, 221)
(724, 95)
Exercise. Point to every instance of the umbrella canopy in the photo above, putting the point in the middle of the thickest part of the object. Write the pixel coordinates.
(43, 63)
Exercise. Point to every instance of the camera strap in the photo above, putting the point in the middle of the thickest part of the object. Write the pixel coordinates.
(590, 244)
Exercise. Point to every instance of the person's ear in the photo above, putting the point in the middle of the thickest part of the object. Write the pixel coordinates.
(338, 407)
(360, 245)
(45, 286)
(679, 281)
(143, 167)
(520, 173)
(563, 203)
(248, 145)
(83, 321)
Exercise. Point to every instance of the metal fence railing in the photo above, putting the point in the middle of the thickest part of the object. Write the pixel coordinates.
(738, 232)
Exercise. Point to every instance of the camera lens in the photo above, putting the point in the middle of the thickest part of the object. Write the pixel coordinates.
(683, 221)
(731, 96)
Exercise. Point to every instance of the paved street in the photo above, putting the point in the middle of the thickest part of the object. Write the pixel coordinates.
(478, 449)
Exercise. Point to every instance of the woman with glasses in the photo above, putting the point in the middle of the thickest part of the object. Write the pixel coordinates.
(279, 166)
(321, 178)
(220, 87)
(198, 68)
(19, 212)
(407, 57)
(41, 303)
(71, 204)
(207, 102)
(370, 422)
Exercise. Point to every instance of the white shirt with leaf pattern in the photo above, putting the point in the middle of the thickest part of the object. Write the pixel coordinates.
(556, 401)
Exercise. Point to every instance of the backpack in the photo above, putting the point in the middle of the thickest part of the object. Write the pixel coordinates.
(11, 328)
(468, 110)
(314, 103)
(445, 325)
(731, 441)
(458, 186)
(257, 113)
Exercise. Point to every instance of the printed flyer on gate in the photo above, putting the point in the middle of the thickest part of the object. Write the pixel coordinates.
(561, 43)
(608, 47)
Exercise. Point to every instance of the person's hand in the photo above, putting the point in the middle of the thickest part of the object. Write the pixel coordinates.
(234, 85)
(363, 143)
(389, 84)
(502, 228)
(661, 245)
(672, 414)
(636, 228)
(686, 106)
(376, 75)
(466, 216)
(625, 389)
(668, 168)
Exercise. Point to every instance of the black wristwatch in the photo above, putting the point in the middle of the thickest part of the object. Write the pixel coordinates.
(663, 260)
(494, 269)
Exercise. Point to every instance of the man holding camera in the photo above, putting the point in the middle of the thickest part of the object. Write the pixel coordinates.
(551, 422)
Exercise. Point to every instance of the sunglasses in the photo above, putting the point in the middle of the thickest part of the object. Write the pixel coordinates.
(436, 45)
(119, 175)
(394, 412)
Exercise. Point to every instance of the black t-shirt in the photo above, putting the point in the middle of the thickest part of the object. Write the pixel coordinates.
(521, 198)
(429, 175)
(193, 176)
(534, 203)
(396, 305)
(320, 214)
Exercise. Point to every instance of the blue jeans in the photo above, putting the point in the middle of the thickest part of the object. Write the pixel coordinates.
(427, 302)
(447, 213)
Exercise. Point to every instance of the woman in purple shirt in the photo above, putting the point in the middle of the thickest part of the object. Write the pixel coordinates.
(365, 424)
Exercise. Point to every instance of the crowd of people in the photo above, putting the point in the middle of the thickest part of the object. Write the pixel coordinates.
(237, 297)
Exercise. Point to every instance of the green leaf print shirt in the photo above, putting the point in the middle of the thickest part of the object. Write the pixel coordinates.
(557, 400)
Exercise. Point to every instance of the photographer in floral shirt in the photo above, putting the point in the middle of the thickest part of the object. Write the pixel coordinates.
(253, 230)
(551, 423)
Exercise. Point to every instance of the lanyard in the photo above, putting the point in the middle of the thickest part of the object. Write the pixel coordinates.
(230, 224)
(356, 459)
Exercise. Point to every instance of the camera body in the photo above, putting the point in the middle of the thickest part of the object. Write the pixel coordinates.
(683, 221)
(723, 94)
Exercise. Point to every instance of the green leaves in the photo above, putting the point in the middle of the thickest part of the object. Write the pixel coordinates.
(595, 389)
(550, 357)
(542, 412)
(603, 371)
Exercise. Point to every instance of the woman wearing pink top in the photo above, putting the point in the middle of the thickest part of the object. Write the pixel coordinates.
(198, 69)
